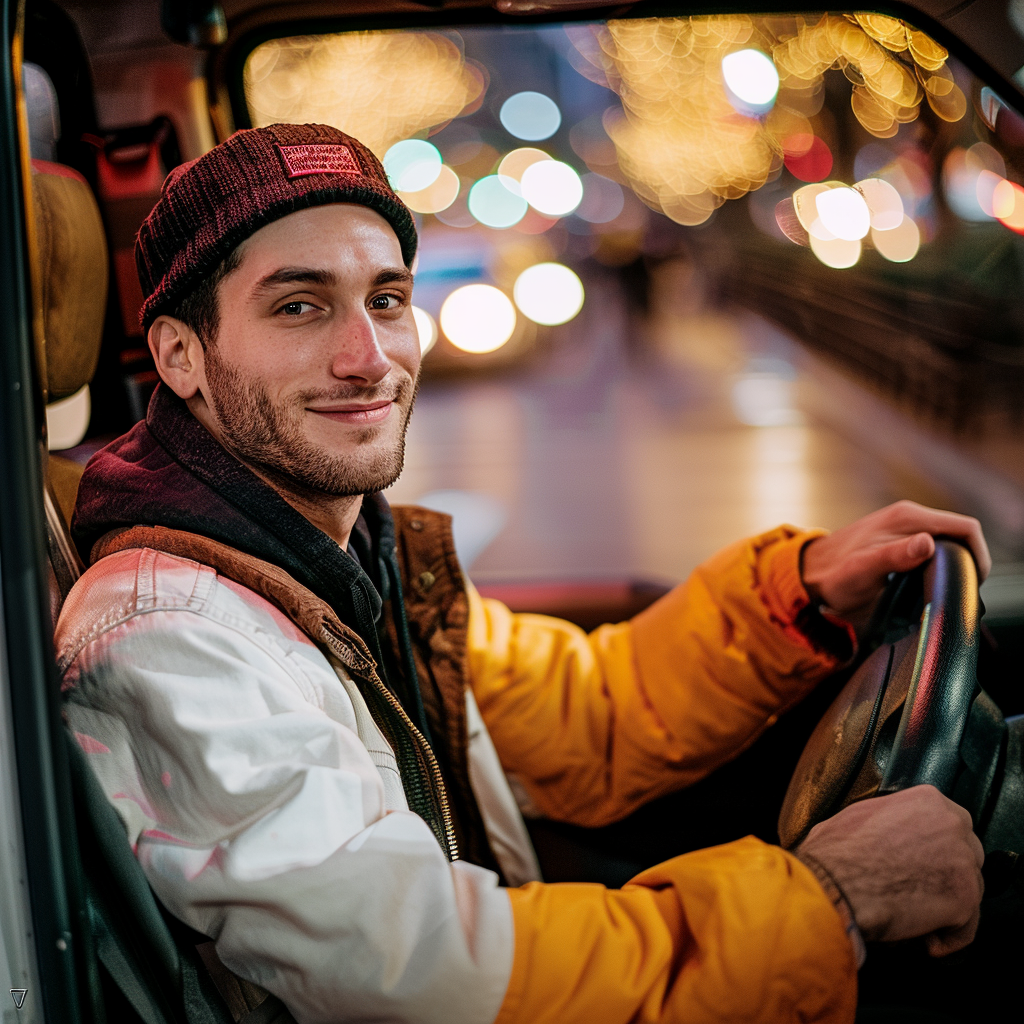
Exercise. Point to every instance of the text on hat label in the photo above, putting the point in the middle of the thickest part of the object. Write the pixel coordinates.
(317, 159)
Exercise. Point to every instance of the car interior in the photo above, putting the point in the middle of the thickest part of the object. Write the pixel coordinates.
(717, 310)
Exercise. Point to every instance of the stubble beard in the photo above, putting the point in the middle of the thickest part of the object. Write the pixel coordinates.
(270, 439)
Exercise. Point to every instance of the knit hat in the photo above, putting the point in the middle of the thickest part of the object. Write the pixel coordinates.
(211, 205)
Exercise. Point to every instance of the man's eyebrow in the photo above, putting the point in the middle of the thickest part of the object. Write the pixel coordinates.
(393, 275)
(295, 275)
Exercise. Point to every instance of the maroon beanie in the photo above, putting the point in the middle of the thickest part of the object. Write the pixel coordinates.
(212, 204)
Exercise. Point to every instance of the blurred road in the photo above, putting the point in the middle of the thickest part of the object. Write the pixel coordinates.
(640, 446)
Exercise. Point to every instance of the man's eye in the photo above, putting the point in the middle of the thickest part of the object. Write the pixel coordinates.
(296, 308)
(383, 302)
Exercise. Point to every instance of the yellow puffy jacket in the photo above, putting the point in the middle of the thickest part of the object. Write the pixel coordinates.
(592, 727)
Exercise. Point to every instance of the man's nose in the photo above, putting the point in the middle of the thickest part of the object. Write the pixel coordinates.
(358, 356)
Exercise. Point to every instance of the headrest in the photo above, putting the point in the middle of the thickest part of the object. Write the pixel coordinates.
(73, 275)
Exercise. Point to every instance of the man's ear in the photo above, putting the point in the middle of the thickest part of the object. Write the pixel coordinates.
(178, 354)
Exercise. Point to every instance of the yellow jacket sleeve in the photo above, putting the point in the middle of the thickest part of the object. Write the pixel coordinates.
(594, 726)
(736, 933)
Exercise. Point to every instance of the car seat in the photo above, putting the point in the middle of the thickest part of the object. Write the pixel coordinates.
(148, 966)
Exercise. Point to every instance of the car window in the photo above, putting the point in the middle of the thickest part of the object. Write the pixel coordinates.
(641, 217)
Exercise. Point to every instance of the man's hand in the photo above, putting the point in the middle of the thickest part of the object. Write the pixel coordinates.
(908, 865)
(847, 570)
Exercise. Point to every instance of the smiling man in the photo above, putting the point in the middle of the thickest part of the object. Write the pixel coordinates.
(306, 715)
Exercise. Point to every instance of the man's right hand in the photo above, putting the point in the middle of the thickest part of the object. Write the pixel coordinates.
(909, 865)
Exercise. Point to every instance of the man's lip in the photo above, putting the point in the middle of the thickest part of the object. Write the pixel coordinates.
(351, 412)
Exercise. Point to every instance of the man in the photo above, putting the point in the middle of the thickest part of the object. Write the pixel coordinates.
(303, 712)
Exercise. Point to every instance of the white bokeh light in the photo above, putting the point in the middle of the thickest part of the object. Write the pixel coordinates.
(412, 165)
(495, 205)
(844, 213)
(838, 253)
(752, 78)
(552, 188)
(426, 328)
(531, 116)
(548, 293)
(478, 318)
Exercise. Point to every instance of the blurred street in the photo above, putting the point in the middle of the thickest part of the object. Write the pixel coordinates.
(638, 446)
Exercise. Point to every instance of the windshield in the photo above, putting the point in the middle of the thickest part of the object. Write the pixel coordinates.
(726, 265)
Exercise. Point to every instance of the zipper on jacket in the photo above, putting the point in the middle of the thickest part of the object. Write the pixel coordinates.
(426, 762)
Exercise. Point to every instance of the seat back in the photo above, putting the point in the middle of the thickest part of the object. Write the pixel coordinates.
(71, 295)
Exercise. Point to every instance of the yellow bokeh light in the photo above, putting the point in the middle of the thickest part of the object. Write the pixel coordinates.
(426, 328)
(380, 87)
(436, 197)
(1010, 201)
(899, 244)
(683, 146)
(478, 318)
(883, 201)
(838, 253)
(513, 164)
(548, 293)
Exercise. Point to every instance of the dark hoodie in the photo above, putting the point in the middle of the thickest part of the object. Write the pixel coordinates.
(170, 471)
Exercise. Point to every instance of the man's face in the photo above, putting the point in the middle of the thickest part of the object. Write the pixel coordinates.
(312, 375)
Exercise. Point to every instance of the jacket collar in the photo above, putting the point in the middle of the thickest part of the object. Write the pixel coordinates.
(170, 471)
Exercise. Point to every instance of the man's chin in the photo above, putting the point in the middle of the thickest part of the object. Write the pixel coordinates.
(332, 474)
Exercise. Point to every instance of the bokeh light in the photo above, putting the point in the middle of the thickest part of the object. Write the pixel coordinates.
(871, 158)
(426, 328)
(807, 159)
(552, 187)
(678, 141)
(412, 165)
(478, 318)
(1008, 202)
(883, 202)
(494, 205)
(844, 213)
(960, 173)
(435, 197)
(985, 191)
(838, 253)
(752, 79)
(805, 204)
(457, 215)
(603, 199)
(513, 164)
(548, 293)
(531, 116)
(377, 86)
(899, 244)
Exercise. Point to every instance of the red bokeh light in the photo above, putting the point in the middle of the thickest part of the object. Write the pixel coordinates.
(807, 160)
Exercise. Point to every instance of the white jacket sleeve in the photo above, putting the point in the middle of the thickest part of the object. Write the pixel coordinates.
(262, 820)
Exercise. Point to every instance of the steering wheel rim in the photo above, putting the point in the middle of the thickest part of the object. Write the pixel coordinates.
(849, 756)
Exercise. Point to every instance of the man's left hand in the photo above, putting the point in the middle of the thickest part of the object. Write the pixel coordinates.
(846, 571)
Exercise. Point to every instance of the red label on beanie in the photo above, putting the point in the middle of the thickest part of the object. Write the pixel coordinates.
(317, 159)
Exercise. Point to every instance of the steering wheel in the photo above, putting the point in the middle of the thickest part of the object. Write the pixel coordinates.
(899, 720)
